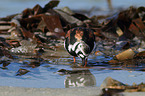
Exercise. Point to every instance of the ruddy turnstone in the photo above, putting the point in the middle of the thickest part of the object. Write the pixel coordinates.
(79, 42)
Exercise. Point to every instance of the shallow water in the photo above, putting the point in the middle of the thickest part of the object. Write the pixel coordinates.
(46, 74)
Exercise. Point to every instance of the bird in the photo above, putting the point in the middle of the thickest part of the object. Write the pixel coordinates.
(79, 42)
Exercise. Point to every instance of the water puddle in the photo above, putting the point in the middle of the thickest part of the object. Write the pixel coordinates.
(63, 73)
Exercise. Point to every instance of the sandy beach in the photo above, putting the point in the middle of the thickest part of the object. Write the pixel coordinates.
(89, 91)
(20, 91)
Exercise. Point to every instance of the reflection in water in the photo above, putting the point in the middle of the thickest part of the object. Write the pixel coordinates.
(81, 78)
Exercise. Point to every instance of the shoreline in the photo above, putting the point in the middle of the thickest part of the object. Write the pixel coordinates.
(87, 91)
(21, 91)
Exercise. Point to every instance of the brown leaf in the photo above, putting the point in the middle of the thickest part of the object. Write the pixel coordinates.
(80, 16)
(34, 64)
(26, 34)
(27, 12)
(37, 9)
(6, 53)
(30, 23)
(139, 24)
(41, 25)
(53, 24)
(137, 27)
(109, 29)
(134, 29)
(22, 72)
(51, 5)
(5, 63)
(126, 46)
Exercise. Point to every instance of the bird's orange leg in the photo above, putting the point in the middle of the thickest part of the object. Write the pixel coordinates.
(85, 62)
(74, 59)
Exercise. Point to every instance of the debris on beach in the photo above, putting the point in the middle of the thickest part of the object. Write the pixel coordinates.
(113, 86)
(41, 30)
(22, 72)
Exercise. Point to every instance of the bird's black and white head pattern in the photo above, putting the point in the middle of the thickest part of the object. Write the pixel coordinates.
(81, 49)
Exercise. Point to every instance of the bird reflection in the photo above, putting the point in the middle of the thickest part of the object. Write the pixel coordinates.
(79, 78)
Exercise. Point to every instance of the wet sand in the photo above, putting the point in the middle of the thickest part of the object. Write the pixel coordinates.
(20, 91)
(89, 91)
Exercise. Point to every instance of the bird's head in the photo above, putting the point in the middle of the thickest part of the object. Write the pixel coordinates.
(83, 51)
